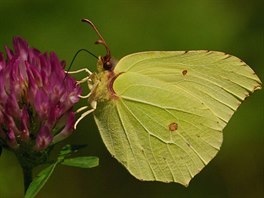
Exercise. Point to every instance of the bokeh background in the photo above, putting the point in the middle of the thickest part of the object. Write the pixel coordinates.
(232, 26)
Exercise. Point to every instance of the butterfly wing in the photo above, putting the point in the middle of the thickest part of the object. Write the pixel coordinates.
(171, 107)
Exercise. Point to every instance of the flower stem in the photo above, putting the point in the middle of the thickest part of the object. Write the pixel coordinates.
(27, 173)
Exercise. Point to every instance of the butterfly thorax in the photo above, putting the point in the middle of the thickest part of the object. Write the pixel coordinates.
(103, 84)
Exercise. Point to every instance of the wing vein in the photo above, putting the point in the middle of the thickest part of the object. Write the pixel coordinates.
(168, 148)
(161, 107)
(184, 90)
(152, 171)
(151, 134)
(123, 126)
(148, 134)
(188, 143)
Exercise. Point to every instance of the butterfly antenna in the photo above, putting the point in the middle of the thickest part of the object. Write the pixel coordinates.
(74, 57)
(76, 54)
(107, 58)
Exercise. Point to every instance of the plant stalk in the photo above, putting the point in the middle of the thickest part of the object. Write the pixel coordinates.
(27, 174)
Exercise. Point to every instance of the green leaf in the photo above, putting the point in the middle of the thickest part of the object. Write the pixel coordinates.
(40, 180)
(82, 162)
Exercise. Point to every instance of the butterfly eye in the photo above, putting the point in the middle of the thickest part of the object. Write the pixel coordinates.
(108, 65)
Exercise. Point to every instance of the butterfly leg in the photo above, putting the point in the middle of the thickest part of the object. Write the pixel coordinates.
(81, 109)
(84, 80)
(92, 90)
(82, 116)
(92, 87)
(80, 70)
(93, 105)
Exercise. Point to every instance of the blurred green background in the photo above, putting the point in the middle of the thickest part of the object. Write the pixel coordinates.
(232, 26)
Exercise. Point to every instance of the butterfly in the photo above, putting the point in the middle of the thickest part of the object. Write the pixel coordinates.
(161, 114)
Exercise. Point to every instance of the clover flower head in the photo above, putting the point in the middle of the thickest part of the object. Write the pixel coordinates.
(36, 98)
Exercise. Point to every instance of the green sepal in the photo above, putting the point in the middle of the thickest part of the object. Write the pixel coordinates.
(68, 150)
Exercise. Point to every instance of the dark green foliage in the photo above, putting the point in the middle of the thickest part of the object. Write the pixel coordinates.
(81, 162)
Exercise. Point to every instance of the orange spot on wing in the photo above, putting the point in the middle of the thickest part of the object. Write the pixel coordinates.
(173, 126)
(184, 72)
